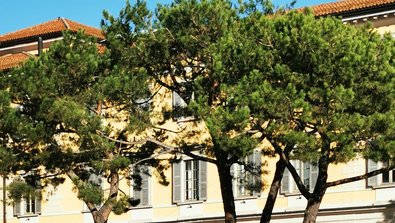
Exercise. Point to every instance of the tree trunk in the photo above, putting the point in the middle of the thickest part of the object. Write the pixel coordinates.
(274, 188)
(314, 200)
(101, 216)
(98, 218)
(228, 199)
(311, 211)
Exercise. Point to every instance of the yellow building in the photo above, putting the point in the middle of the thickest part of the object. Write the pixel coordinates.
(194, 193)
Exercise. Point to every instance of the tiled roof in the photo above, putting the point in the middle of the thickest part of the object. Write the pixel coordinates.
(50, 27)
(334, 8)
(13, 60)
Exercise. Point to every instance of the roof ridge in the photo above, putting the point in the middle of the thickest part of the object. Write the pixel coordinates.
(64, 22)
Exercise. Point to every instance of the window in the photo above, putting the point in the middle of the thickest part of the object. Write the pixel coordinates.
(246, 183)
(141, 190)
(386, 178)
(189, 181)
(143, 103)
(28, 206)
(307, 172)
(180, 103)
(30, 203)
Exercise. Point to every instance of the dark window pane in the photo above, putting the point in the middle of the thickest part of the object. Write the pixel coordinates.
(386, 177)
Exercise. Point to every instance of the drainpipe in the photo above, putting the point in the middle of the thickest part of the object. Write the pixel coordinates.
(40, 46)
(4, 199)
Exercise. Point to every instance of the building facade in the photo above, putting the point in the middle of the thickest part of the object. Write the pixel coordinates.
(194, 194)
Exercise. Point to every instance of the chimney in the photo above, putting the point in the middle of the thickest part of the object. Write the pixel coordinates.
(40, 45)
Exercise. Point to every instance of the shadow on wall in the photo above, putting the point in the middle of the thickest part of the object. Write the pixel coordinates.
(389, 213)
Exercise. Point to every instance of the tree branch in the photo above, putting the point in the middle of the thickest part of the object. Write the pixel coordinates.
(148, 99)
(168, 147)
(296, 176)
(139, 142)
(187, 151)
(360, 177)
(151, 157)
(169, 130)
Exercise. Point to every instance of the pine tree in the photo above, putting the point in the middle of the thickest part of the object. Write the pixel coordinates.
(80, 104)
(201, 47)
(327, 97)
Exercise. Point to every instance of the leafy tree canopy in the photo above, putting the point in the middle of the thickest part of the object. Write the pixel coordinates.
(76, 107)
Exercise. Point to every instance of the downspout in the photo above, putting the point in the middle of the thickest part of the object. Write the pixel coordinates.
(40, 46)
(4, 199)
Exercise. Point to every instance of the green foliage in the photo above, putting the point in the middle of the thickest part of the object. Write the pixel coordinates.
(204, 47)
(90, 193)
(123, 202)
(65, 99)
(321, 89)
(335, 82)
(19, 189)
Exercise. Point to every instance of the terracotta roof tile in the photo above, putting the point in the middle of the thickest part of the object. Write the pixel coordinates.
(338, 7)
(75, 26)
(12, 60)
(53, 26)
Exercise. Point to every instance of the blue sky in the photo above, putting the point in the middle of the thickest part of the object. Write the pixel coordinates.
(19, 14)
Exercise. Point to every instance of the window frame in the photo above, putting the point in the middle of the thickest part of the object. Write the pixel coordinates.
(192, 169)
(288, 180)
(378, 180)
(240, 188)
(179, 182)
(20, 207)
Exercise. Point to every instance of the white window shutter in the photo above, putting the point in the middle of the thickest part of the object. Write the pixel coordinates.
(233, 171)
(313, 176)
(144, 199)
(38, 204)
(202, 180)
(176, 182)
(257, 178)
(17, 208)
(143, 194)
(285, 182)
(297, 164)
(137, 195)
(372, 165)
